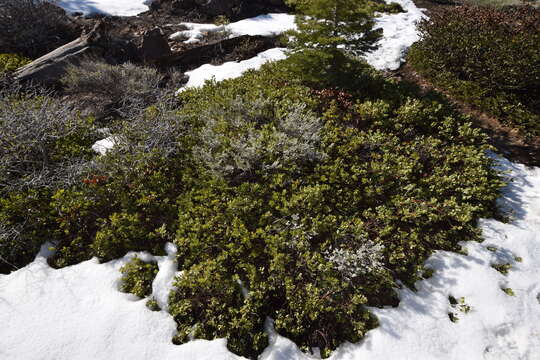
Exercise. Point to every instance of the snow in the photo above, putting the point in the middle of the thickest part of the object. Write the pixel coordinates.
(163, 282)
(399, 33)
(78, 313)
(102, 146)
(107, 7)
(232, 69)
(264, 25)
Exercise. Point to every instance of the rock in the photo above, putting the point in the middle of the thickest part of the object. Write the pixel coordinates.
(154, 46)
(218, 7)
(235, 49)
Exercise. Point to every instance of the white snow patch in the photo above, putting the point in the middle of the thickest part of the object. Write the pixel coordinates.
(399, 33)
(108, 7)
(163, 282)
(102, 146)
(232, 69)
(77, 313)
(264, 25)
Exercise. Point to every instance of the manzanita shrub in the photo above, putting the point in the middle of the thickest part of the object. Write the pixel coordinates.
(309, 241)
(291, 206)
(11, 62)
(137, 277)
(488, 57)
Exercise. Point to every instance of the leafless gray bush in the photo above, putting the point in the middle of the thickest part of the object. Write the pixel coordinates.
(33, 27)
(10, 244)
(127, 87)
(157, 132)
(241, 137)
(32, 124)
(158, 129)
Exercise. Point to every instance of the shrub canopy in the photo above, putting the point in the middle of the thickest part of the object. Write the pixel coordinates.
(487, 56)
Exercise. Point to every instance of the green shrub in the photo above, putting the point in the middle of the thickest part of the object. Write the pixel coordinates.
(152, 305)
(207, 289)
(391, 8)
(346, 191)
(11, 62)
(401, 177)
(127, 199)
(26, 223)
(137, 277)
(487, 57)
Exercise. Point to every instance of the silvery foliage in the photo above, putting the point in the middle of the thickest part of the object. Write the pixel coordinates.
(10, 241)
(352, 263)
(30, 125)
(300, 234)
(127, 86)
(255, 132)
(155, 131)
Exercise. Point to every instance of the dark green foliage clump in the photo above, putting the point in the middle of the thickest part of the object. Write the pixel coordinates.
(152, 305)
(488, 57)
(329, 33)
(209, 303)
(11, 62)
(311, 243)
(137, 277)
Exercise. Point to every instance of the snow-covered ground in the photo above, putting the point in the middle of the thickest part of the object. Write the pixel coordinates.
(264, 25)
(78, 313)
(232, 69)
(108, 7)
(399, 33)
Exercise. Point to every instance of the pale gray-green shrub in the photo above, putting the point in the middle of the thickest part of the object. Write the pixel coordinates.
(242, 137)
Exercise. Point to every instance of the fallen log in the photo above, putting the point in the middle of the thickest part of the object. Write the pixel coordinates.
(234, 49)
(48, 69)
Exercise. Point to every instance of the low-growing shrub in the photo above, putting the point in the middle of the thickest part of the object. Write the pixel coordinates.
(33, 27)
(44, 146)
(488, 57)
(11, 62)
(241, 138)
(125, 88)
(137, 277)
(127, 202)
(43, 141)
(289, 205)
(311, 243)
